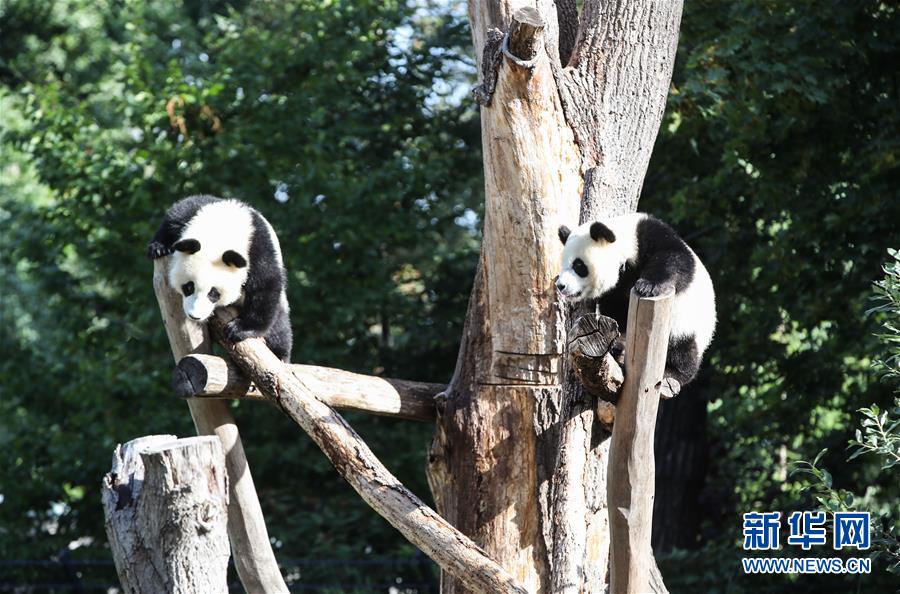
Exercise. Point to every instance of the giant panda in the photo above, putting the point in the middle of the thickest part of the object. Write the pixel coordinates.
(225, 252)
(605, 259)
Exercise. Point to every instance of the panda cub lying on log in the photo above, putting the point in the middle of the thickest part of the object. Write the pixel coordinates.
(605, 259)
(225, 252)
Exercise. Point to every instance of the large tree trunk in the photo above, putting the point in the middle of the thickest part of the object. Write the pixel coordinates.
(572, 105)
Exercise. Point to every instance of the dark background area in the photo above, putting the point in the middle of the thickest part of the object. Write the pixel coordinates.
(349, 125)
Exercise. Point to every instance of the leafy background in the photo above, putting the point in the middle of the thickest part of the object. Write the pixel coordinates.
(349, 125)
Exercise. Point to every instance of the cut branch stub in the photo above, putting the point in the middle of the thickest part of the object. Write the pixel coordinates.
(591, 338)
(355, 462)
(207, 376)
(524, 41)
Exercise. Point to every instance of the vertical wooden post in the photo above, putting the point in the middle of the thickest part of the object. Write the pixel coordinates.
(165, 503)
(253, 556)
(631, 472)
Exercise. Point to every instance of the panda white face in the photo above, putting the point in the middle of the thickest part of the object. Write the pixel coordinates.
(591, 261)
(210, 262)
(206, 279)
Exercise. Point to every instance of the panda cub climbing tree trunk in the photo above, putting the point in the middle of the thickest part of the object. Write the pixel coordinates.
(605, 259)
(224, 253)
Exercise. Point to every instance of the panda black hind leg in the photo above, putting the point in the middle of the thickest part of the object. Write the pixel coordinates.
(683, 359)
(280, 338)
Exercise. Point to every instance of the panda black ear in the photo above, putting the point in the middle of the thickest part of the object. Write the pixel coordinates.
(232, 258)
(600, 231)
(188, 246)
(563, 233)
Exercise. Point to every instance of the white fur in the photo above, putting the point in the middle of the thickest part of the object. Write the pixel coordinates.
(605, 260)
(219, 227)
(694, 310)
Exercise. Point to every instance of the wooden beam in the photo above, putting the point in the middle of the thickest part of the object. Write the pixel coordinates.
(209, 377)
(631, 473)
(253, 555)
(356, 463)
(165, 502)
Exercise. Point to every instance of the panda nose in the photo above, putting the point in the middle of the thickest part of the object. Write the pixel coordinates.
(560, 285)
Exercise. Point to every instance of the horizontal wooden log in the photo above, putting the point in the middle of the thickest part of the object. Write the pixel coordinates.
(355, 462)
(207, 376)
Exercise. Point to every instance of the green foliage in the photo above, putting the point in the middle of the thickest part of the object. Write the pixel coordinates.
(777, 159)
(887, 294)
(878, 435)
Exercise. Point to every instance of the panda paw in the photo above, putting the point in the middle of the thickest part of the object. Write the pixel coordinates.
(646, 288)
(157, 250)
(234, 331)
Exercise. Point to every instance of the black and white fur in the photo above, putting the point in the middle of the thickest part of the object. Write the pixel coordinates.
(605, 259)
(225, 253)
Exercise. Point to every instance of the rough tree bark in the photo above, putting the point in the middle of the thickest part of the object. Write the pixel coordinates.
(166, 502)
(571, 106)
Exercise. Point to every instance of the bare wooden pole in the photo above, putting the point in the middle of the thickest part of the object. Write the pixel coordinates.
(253, 556)
(208, 376)
(631, 474)
(355, 462)
(165, 503)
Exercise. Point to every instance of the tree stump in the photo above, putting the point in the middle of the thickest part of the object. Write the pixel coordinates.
(166, 508)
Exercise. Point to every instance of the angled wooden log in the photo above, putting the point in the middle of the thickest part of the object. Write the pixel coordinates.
(165, 502)
(253, 556)
(631, 475)
(208, 377)
(356, 463)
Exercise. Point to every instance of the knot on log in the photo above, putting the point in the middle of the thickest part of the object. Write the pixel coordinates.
(591, 339)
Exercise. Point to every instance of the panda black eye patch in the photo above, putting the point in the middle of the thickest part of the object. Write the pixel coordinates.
(213, 294)
(580, 268)
(188, 288)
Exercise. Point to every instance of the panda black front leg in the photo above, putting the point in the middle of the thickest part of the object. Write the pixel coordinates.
(649, 288)
(262, 294)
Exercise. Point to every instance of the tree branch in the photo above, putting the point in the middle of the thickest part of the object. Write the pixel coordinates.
(354, 461)
(524, 38)
(210, 377)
